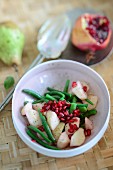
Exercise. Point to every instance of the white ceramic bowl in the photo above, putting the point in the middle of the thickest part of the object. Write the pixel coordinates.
(54, 74)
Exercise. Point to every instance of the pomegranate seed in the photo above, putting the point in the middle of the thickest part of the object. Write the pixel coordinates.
(64, 107)
(88, 132)
(75, 127)
(70, 130)
(71, 120)
(71, 115)
(70, 135)
(63, 102)
(66, 113)
(61, 114)
(33, 140)
(68, 118)
(56, 110)
(85, 88)
(76, 112)
(60, 108)
(70, 125)
(74, 84)
(75, 115)
(59, 104)
(62, 119)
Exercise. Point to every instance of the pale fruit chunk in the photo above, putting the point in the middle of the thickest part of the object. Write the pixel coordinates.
(67, 125)
(78, 138)
(79, 92)
(33, 118)
(63, 141)
(85, 84)
(38, 106)
(93, 99)
(26, 108)
(58, 130)
(88, 124)
(52, 119)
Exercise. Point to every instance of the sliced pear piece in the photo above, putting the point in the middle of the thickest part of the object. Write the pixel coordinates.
(33, 118)
(78, 138)
(38, 106)
(63, 141)
(58, 130)
(52, 119)
(79, 92)
(88, 124)
(93, 99)
(26, 108)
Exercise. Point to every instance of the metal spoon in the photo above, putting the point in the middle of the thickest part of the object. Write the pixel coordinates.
(52, 39)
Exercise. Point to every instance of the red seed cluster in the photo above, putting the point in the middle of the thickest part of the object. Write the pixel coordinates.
(76, 113)
(60, 108)
(87, 132)
(72, 128)
(98, 28)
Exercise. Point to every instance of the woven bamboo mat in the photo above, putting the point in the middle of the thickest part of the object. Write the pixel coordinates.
(14, 154)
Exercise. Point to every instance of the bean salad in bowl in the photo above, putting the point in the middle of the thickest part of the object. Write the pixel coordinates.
(61, 108)
(59, 119)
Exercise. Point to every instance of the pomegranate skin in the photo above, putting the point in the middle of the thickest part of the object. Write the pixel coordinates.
(82, 39)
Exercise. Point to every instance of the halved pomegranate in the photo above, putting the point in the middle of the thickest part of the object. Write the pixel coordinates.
(91, 32)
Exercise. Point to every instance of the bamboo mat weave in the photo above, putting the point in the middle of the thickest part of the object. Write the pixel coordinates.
(14, 154)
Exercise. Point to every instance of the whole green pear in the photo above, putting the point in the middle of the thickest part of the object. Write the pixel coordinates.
(11, 43)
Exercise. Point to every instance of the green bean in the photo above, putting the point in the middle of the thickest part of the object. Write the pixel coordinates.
(49, 97)
(89, 101)
(74, 99)
(66, 86)
(40, 133)
(56, 93)
(72, 107)
(82, 105)
(40, 141)
(25, 102)
(83, 109)
(32, 93)
(40, 101)
(56, 96)
(66, 94)
(46, 127)
(88, 113)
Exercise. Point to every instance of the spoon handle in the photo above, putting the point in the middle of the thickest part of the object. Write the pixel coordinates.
(39, 59)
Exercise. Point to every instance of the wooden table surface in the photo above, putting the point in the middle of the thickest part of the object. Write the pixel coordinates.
(14, 154)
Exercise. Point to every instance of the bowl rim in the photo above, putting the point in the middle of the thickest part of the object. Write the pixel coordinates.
(79, 149)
